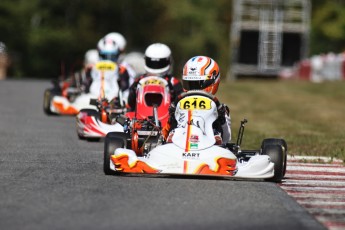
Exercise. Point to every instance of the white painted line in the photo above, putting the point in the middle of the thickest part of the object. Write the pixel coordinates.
(314, 182)
(313, 158)
(313, 189)
(319, 202)
(311, 176)
(317, 195)
(315, 165)
(313, 169)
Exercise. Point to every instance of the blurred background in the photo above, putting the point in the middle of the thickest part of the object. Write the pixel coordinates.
(45, 39)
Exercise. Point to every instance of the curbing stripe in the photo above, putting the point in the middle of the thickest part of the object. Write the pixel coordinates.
(318, 187)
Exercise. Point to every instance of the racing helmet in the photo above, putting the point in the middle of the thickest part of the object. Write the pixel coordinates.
(201, 73)
(157, 59)
(118, 39)
(108, 49)
(91, 57)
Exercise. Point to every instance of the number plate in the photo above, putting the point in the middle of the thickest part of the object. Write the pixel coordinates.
(105, 66)
(153, 82)
(195, 102)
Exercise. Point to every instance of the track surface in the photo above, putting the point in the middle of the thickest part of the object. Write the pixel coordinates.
(51, 180)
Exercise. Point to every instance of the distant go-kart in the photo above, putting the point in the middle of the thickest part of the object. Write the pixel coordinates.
(93, 124)
(193, 150)
(70, 100)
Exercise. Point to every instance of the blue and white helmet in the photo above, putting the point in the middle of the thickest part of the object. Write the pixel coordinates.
(118, 39)
(108, 49)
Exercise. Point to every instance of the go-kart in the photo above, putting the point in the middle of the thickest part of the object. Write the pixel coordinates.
(68, 89)
(193, 150)
(93, 124)
(152, 91)
(70, 100)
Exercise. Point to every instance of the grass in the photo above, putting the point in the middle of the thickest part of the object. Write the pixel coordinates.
(309, 116)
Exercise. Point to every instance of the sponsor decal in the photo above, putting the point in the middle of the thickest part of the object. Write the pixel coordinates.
(196, 78)
(194, 138)
(193, 146)
(106, 66)
(190, 155)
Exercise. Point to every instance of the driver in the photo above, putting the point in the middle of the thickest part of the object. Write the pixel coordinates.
(157, 63)
(202, 73)
(110, 48)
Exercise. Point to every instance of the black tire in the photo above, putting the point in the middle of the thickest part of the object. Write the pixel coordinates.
(81, 137)
(47, 98)
(276, 154)
(112, 141)
(91, 113)
(277, 141)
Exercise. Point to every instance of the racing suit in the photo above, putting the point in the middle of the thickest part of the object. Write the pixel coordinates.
(221, 126)
(123, 81)
(174, 84)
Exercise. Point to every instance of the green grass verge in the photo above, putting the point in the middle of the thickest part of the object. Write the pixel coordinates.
(309, 116)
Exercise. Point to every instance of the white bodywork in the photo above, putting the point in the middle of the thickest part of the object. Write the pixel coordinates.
(91, 127)
(193, 148)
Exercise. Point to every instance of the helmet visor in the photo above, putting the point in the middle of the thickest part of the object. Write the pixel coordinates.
(112, 56)
(157, 63)
(196, 82)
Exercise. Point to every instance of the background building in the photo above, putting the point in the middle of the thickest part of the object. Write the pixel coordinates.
(268, 36)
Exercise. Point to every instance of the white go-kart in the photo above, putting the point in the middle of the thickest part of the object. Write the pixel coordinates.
(193, 150)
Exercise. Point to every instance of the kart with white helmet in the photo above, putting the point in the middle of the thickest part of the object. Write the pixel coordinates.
(104, 85)
(152, 92)
(193, 150)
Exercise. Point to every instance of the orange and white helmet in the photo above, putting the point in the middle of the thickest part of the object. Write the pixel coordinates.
(201, 73)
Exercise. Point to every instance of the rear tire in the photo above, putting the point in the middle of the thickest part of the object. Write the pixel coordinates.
(112, 141)
(275, 151)
(47, 99)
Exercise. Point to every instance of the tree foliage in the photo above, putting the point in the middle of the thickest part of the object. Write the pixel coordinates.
(328, 26)
(41, 35)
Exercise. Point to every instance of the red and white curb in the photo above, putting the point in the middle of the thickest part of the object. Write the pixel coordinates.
(319, 187)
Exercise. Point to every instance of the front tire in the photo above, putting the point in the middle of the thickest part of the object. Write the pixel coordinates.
(275, 150)
(112, 141)
(277, 141)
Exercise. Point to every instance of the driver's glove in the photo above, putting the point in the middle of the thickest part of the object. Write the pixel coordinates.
(223, 110)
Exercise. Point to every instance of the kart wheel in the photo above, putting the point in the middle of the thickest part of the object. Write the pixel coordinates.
(47, 98)
(81, 137)
(277, 141)
(112, 141)
(275, 152)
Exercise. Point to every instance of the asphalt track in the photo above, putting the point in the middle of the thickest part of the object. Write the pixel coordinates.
(49, 179)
